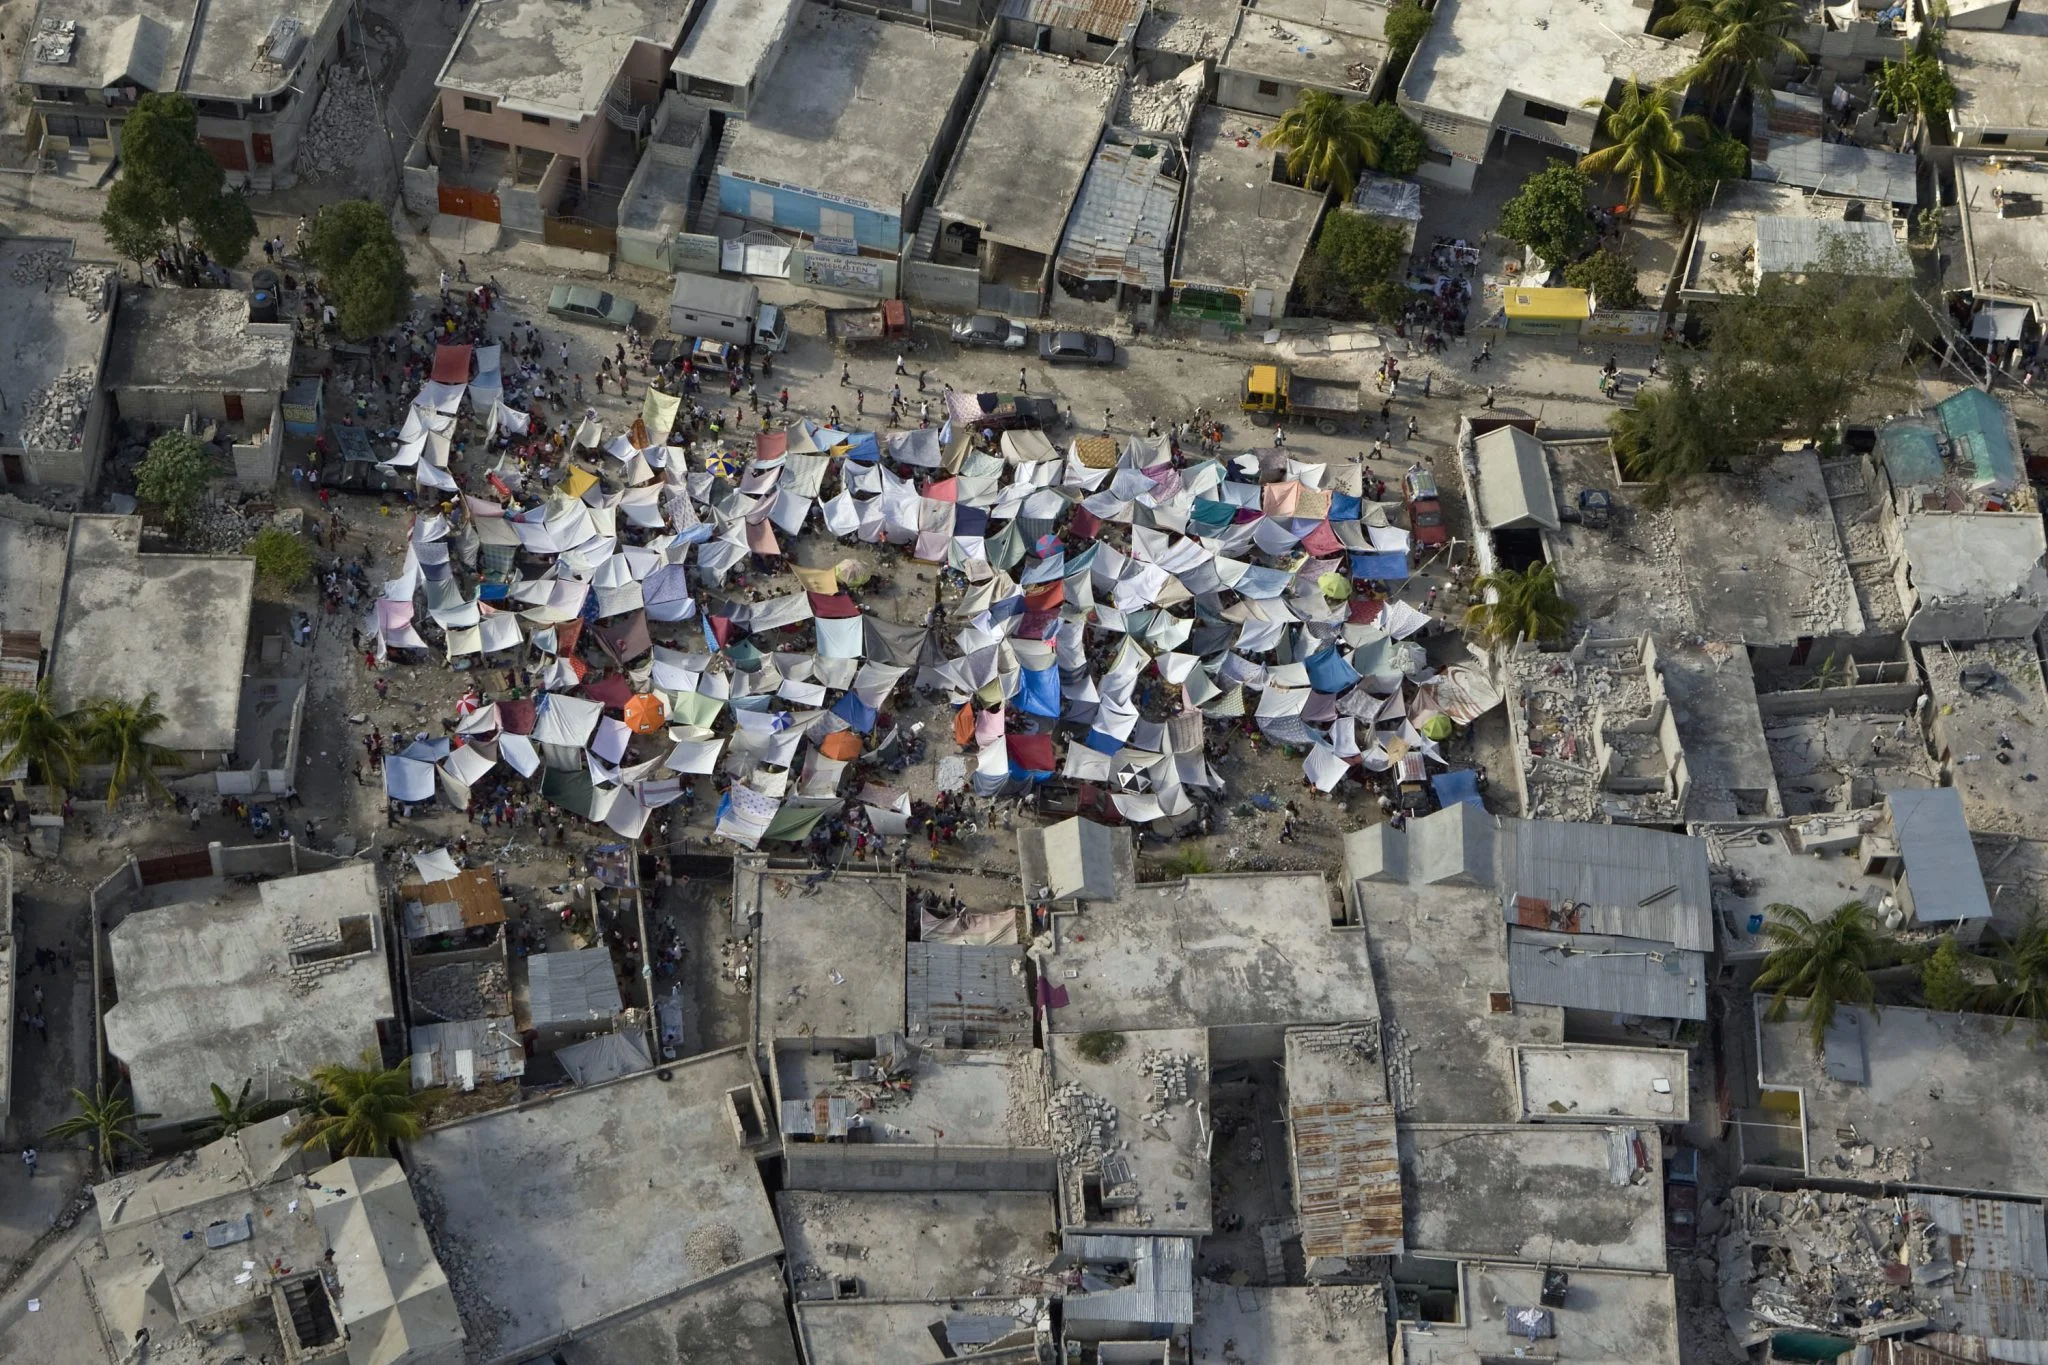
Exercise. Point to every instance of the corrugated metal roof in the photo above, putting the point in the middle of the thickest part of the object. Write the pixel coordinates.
(1841, 169)
(1942, 869)
(967, 994)
(494, 1044)
(1122, 219)
(1162, 1288)
(468, 900)
(1103, 18)
(2000, 1250)
(605, 1057)
(1347, 1173)
(1607, 975)
(1514, 481)
(1791, 246)
(572, 988)
(1596, 878)
(1385, 197)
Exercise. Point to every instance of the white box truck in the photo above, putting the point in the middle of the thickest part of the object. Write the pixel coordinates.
(730, 311)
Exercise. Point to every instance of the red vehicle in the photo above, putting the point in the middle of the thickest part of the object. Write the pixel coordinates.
(1425, 512)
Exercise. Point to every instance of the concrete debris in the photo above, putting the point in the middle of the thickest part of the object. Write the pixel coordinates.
(55, 418)
(1083, 1125)
(1593, 741)
(712, 1248)
(342, 126)
(462, 990)
(1168, 31)
(87, 283)
(1172, 1075)
(1163, 106)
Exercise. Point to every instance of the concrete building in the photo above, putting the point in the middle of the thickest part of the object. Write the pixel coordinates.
(265, 983)
(729, 50)
(1586, 1083)
(1598, 739)
(862, 1331)
(1527, 68)
(1487, 1311)
(1968, 576)
(933, 1245)
(1285, 47)
(1997, 73)
(541, 104)
(2005, 235)
(179, 353)
(622, 1199)
(1248, 1322)
(844, 141)
(131, 623)
(10, 965)
(830, 963)
(1919, 1098)
(1244, 230)
(1721, 255)
(56, 321)
(1982, 705)
(1130, 1124)
(253, 72)
(1037, 110)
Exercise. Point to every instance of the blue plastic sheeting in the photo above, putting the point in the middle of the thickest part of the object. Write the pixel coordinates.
(856, 713)
(970, 521)
(864, 447)
(1384, 565)
(1345, 507)
(1039, 693)
(1007, 608)
(1328, 671)
(1103, 743)
(1459, 784)
(1044, 570)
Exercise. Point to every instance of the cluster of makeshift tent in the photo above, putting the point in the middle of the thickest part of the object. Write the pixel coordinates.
(1083, 574)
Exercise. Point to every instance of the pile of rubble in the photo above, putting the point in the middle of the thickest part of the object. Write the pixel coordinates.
(55, 418)
(1083, 1125)
(223, 527)
(342, 126)
(463, 990)
(1172, 1076)
(1164, 106)
(711, 1248)
(1172, 31)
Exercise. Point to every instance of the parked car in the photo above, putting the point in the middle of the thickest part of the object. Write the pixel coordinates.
(1076, 348)
(1425, 512)
(986, 329)
(581, 303)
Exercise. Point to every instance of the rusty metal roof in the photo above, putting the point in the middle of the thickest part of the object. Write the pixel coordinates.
(1103, 18)
(468, 900)
(1347, 1178)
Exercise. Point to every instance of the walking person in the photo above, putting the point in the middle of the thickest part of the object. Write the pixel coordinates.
(1023, 380)
(28, 1159)
(845, 375)
(901, 368)
(1488, 404)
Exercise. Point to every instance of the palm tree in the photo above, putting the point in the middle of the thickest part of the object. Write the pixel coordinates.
(1326, 139)
(361, 1110)
(1517, 605)
(1825, 961)
(1741, 42)
(1917, 85)
(1649, 138)
(116, 732)
(105, 1119)
(2023, 973)
(1670, 436)
(234, 1113)
(35, 733)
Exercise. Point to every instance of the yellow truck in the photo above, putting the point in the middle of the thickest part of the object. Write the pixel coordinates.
(1274, 393)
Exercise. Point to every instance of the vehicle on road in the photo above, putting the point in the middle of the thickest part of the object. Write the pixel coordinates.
(986, 329)
(852, 326)
(1425, 510)
(581, 303)
(1076, 348)
(1274, 393)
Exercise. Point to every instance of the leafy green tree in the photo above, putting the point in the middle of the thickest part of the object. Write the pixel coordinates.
(1942, 982)
(116, 732)
(1649, 138)
(341, 230)
(1825, 962)
(1353, 271)
(373, 291)
(1548, 214)
(104, 1119)
(1328, 139)
(1404, 27)
(1516, 605)
(1610, 275)
(1703, 165)
(2023, 973)
(1741, 44)
(233, 1113)
(174, 476)
(172, 194)
(1917, 86)
(360, 1110)
(33, 732)
(1398, 137)
(1676, 432)
(282, 559)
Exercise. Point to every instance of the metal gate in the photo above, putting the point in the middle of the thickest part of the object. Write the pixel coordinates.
(231, 152)
(175, 867)
(459, 202)
(580, 234)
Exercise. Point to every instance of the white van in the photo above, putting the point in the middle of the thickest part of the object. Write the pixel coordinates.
(770, 332)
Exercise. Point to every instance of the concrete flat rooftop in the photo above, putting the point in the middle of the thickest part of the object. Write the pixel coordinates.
(855, 106)
(1779, 873)
(1999, 73)
(1243, 228)
(539, 57)
(1034, 110)
(34, 582)
(1235, 1323)
(44, 331)
(975, 1097)
(595, 1203)
(849, 927)
(1972, 1089)
(197, 339)
(1303, 50)
(731, 38)
(743, 1317)
(1719, 262)
(1537, 1193)
(130, 623)
(901, 1245)
(1439, 955)
(1713, 697)
(1209, 952)
(867, 1331)
(1557, 51)
(1606, 1318)
(2006, 257)
(1997, 797)
(1583, 1083)
(1169, 1158)
(209, 991)
(223, 61)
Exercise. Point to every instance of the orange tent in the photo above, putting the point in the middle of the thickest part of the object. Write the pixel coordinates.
(840, 744)
(963, 724)
(646, 714)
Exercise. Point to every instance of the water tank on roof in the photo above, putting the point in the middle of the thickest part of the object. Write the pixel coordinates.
(263, 296)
